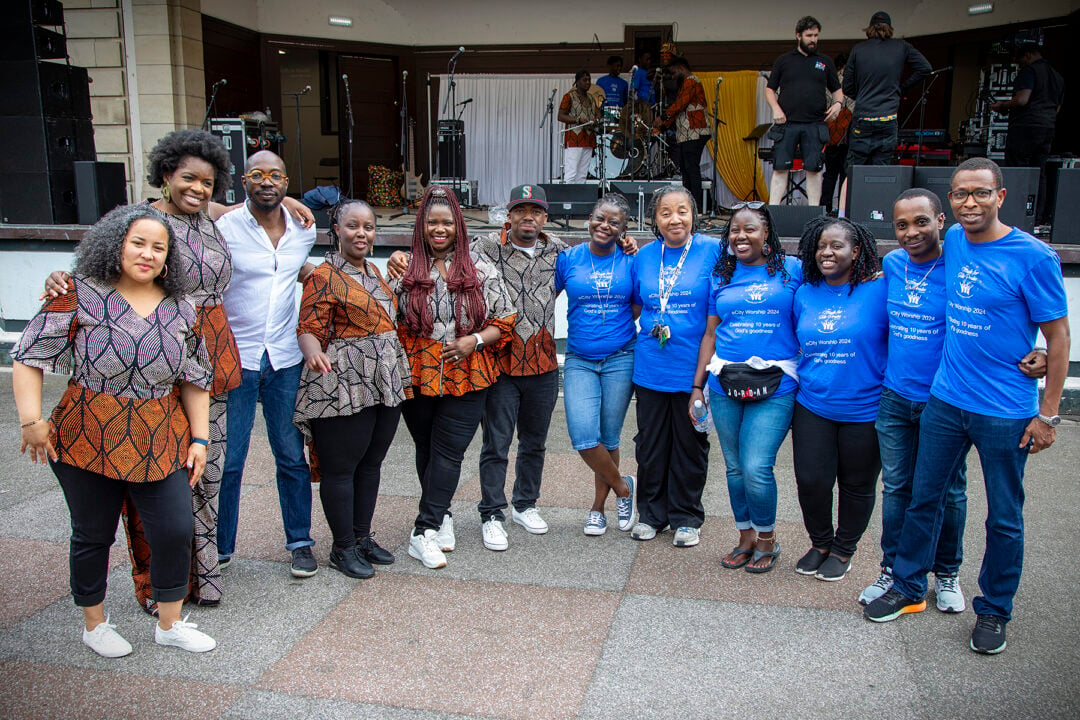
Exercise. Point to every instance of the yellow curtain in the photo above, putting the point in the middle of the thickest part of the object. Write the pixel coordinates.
(733, 156)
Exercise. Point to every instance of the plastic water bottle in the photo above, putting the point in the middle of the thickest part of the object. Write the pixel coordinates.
(701, 417)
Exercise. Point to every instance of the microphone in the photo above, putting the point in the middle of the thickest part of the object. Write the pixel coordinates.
(306, 90)
(345, 79)
(458, 54)
(220, 82)
(404, 74)
(465, 102)
(633, 71)
(940, 70)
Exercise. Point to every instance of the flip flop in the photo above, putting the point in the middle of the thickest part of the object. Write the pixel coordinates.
(736, 553)
(759, 556)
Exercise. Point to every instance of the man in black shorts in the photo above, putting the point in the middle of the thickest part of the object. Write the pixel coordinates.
(796, 92)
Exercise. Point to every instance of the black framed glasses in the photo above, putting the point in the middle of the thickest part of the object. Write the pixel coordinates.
(981, 194)
(257, 176)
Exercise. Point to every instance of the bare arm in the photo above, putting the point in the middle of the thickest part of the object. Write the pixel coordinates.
(1038, 433)
(196, 402)
(1020, 98)
(26, 382)
(316, 359)
(705, 352)
(834, 108)
(778, 115)
(304, 272)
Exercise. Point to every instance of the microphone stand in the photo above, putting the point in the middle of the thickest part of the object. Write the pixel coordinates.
(299, 140)
(404, 144)
(210, 105)
(349, 120)
(449, 110)
(921, 105)
(549, 114)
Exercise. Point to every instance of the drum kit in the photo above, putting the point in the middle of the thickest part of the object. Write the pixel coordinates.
(626, 148)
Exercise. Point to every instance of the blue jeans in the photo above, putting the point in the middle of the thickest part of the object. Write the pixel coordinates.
(946, 435)
(750, 434)
(898, 439)
(597, 394)
(276, 389)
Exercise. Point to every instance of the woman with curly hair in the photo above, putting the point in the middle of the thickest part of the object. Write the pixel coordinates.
(355, 378)
(453, 312)
(126, 334)
(842, 326)
(752, 376)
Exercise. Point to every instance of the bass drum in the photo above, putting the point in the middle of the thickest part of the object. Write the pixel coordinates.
(613, 165)
(644, 114)
(631, 153)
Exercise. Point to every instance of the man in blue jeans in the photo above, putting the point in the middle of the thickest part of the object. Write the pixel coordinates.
(269, 253)
(1002, 286)
(915, 274)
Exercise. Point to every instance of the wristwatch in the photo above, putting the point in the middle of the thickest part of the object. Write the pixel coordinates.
(1051, 420)
(479, 342)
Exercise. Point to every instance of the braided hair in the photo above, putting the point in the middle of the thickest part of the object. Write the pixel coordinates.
(654, 204)
(865, 266)
(337, 211)
(462, 279)
(772, 250)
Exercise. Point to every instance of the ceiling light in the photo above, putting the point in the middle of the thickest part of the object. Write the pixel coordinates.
(980, 8)
(340, 21)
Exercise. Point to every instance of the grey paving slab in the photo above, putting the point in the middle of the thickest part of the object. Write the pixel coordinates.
(564, 557)
(20, 479)
(686, 658)
(264, 613)
(43, 516)
(262, 705)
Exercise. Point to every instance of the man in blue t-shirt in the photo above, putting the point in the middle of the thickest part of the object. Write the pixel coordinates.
(614, 87)
(1002, 286)
(641, 79)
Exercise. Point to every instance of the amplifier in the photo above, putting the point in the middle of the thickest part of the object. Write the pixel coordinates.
(873, 191)
(243, 138)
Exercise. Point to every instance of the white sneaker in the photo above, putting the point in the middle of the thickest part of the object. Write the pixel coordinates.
(444, 537)
(643, 531)
(184, 635)
(425, 548)
(950, 598)
(595, 524)
(686, 537)
(495, 535)
(530, 519)
(105, 641)
(879, 588)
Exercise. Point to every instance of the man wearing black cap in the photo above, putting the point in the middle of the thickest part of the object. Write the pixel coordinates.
(872, 78)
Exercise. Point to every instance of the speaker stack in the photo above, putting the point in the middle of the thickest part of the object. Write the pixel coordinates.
(45, 117)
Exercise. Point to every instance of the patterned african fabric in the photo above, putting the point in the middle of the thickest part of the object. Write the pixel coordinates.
(687, 112)
(352, 314)
(530, 282)
(479, 369)
(583, 110)
(384, 186)
(120, 415)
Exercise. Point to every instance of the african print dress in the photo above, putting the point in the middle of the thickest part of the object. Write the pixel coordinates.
(121, 415)
(352, 315)
(479, 369)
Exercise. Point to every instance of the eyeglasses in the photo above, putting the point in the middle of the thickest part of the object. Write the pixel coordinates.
(257, 176)
(754, 205)
(981, 194)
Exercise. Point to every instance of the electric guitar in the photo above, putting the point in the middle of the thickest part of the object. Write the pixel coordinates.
(412, 188)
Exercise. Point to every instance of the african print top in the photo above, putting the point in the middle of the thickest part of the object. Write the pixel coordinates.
(207, 263)
(352, 314)
(687, 112)
(121, 415)
(583, 110)
(477, 371)
(530, 283)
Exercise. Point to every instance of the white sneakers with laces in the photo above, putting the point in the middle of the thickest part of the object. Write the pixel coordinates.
(184, 636)
(425, 548)
(494, 535)
(530, 519)
(105, 641)
(445, 534)
(950, 598)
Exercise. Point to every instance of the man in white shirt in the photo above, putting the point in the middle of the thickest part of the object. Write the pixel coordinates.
(269, 254)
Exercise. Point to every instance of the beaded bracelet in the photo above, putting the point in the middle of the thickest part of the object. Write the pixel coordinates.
(32, 422)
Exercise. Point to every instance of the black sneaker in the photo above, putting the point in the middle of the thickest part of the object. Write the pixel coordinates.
(988, 637)
(303, 563)
(833, 569)
(351, 562)
(372, 552)
(810, 562)
(892, 605)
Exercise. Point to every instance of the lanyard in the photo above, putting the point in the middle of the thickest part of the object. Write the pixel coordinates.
(665, 293)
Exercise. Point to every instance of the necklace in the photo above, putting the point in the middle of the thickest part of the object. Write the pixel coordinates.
(666, 288)
(919, 285)
(603, 301)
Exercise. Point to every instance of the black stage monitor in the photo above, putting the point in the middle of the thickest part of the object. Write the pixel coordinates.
(873, 190)
(1066, 227)
(791, 219)
(570, 200)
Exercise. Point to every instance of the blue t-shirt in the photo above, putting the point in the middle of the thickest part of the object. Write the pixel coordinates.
(756, 317)
(598, 291)
(615, 88)
(671, 368)
(643, 85)
(916, 323)
(844, 341)
(997, 294)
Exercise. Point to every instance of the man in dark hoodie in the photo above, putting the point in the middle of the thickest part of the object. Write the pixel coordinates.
(872, 78)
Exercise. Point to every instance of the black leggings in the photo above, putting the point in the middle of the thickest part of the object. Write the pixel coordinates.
(95, 501)
(351, 450)
(442, 428)
(840, 453)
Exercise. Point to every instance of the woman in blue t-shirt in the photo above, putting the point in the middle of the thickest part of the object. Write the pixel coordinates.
(671, 287)
(752, 377)
(598, 374)
(842, 325)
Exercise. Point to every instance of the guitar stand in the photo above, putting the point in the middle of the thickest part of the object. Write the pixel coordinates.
(404, 144)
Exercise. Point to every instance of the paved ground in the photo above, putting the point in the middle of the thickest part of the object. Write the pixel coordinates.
(559, 626)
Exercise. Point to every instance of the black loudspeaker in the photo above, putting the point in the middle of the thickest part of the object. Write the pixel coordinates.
(567, 200)
(452, 149)
(22, 39)
(873, 190)
(1066, 228)
(50, 89)
(38, 198)
(790, 219)
(37, 144)
(99, 187)
(1021, 197)
(937, 180)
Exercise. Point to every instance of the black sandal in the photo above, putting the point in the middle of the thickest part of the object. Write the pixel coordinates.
(736, 553)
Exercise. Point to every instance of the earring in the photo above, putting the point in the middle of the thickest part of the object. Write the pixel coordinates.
(164, 272)
(765, 251)
(165, 194)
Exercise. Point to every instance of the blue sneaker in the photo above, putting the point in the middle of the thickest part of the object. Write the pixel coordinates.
(596, 523)
(627, 506)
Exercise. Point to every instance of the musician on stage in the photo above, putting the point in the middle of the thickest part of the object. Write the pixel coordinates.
(578, 111)
(686, 114)
(615, 88)
(641, 82)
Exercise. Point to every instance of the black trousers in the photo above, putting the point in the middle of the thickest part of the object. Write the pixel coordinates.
(835, 173)
(829, 453)
(351, 450)
(95, 502)
(687, 156)
(441, 428)
(1029, 147)
(672, 458)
